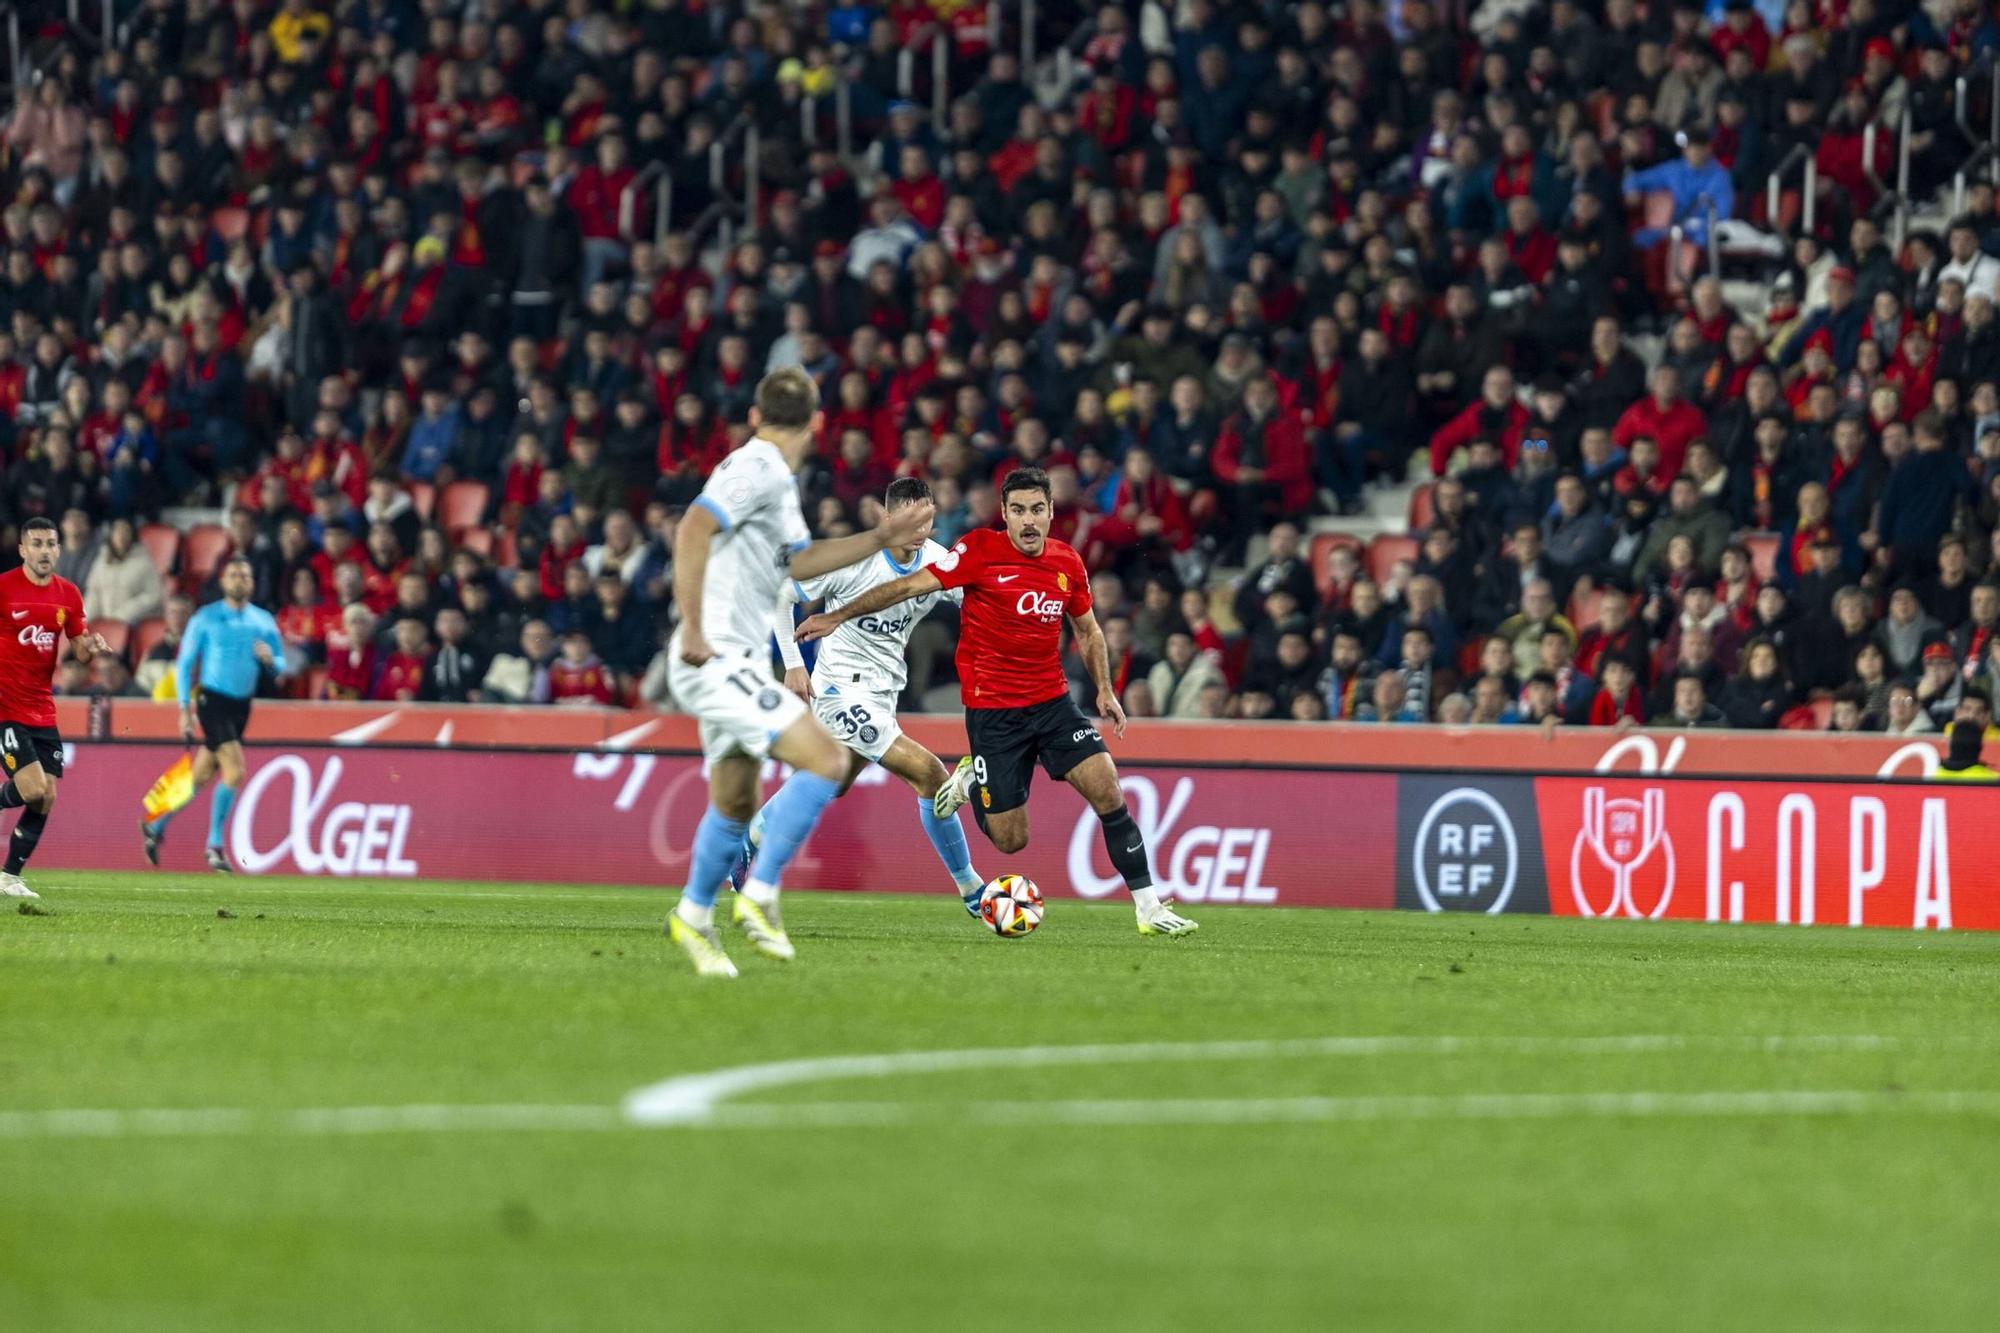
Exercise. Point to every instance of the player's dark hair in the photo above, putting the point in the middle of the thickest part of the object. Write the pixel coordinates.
(906, 491)
(787, 399)
(1026, 479)
(38, 525)
(239, 559)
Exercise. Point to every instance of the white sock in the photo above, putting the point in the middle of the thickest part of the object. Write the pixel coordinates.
(692, 912)
(1145, 902)
(760, 893)
(969, 883)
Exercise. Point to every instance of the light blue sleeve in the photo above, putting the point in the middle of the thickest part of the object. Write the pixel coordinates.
(268, 632)
(192, 644)
(1653, 178)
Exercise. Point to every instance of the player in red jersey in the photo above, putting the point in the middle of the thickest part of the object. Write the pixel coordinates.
(1020, 585)
(36, 610)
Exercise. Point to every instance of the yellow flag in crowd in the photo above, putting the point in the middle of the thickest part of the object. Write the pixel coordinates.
(172, 789)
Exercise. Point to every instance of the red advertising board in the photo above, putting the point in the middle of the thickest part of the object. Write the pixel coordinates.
(1293, 744)
(610, 817)
(1790, 853)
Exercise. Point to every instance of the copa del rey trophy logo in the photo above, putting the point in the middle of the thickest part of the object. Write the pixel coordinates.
(1622, 863)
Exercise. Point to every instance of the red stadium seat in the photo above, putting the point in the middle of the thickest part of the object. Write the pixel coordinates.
(163, 543)
(506, 552)
(479, 541)
(1422, 509)
(117, 635)
(1763, 548)
(462, 506)
(1468, 658)
(1319, 554)
(145, 636)
(206, 544)
(423, 498)
(1385, 551)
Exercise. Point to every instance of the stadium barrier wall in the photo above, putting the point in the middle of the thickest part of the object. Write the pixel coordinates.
(1203, 744)
(1745, 848)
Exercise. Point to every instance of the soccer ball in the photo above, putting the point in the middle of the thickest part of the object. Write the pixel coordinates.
(1011, 906)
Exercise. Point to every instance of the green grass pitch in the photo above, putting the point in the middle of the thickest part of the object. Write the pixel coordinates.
(1409, 1184)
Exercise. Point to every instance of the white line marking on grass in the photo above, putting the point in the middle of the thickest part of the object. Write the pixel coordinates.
(689, 1099)
(702, 1101)
(1316, 1110)
(213, 1121)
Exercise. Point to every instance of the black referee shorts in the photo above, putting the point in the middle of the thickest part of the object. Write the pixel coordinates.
(223, 718)
(1008, 742)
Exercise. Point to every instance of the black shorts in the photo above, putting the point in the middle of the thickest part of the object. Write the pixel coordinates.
(223, 719)
(21, 745)
(1008, 742)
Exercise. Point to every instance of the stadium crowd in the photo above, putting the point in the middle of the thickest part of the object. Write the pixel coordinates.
(379, 279)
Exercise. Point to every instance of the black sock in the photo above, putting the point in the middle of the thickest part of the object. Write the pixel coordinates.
(26, 834)
(1127, 847)
(10, 796)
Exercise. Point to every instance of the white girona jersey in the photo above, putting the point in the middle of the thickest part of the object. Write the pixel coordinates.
(869, 653)
(755, 498)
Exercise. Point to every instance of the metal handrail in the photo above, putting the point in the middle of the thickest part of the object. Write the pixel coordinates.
(906, 73)
(628, 199)
(1714, 242)
(663, 208)
(14, 75)
(1028, 17)
(752, 167)
(808, 121)
(940, 81)
(1774, 187)
(843, 117)
(1898, 198)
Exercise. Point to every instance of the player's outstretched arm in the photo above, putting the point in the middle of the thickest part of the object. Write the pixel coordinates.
(797, 680)
(875, 599)
(1097, 661)
(905, 525)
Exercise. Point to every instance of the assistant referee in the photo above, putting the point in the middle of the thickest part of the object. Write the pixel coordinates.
(232, 643)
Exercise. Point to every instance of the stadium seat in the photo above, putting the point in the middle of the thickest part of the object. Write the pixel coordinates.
(206, 544)
(1320, 556)
(462, 506)
(506, 553)
(145, 635)
(1814, 715)
(423, 498)
(163, 543)
(1422, 509)
(1468, 657)
(1763, 548)
(479, 541)
(1385, 551)
(117, 635)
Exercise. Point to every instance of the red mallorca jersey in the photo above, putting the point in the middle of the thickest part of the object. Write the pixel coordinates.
(1010, 632)
(33, 623)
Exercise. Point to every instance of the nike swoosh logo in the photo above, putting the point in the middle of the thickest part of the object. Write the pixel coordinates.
(1135, 847)
(1005, 578)
(19, 614)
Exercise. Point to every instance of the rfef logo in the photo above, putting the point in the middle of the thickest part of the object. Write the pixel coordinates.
(1622, 862)
(1467, 848)
(1466, 857)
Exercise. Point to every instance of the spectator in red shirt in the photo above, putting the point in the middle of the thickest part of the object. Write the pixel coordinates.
(402, 674)
(578, 678)
(565, 547)
(383, 567)
(1619, 700)
(1496, 415)
(594, 195)
(1672, 421)
(1261, 458)
(919, 190)
(350, 655)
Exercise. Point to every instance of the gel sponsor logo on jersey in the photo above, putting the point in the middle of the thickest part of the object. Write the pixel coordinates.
(1201, 863)
(1040, 606)
(34, 636)
(320, 837)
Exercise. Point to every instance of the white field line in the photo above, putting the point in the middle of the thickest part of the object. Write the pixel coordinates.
(695, 1098)
(702, 1100)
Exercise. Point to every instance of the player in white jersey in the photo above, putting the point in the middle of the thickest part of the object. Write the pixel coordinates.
(861, 669)
(740, 541)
